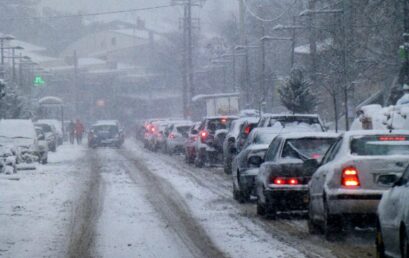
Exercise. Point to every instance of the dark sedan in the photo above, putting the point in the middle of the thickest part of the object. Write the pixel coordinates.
(282, 182)
(105, 134)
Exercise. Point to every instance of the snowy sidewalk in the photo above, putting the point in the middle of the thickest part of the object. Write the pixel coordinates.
(36, 206)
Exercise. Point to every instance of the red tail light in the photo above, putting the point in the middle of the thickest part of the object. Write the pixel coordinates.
(247, 130)
(392, 138)
(350, 177)
(203, 135)
(293, 181)
(171, 136)
(153, 129)
(279, 181)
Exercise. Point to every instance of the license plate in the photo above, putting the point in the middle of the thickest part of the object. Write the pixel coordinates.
(306, 199)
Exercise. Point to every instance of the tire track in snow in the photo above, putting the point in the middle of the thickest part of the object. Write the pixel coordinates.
(87, 211)
(171, 207)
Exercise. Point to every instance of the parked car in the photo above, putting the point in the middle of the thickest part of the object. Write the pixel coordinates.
(21, 134)
(209, 146)
(304, 122)
(50, 134)
(58, 127)
(42, 143)
(230, 142)
(156, 139)
(282, 181)
(348, 185)
(392, 231)
(176, 135)
(106, 133)
(246, 164)
(190, 144)
(8, 160)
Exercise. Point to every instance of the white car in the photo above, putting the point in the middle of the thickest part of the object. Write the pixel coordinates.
(348, 184)
(21, 134)
(176, 136)
(58, 126)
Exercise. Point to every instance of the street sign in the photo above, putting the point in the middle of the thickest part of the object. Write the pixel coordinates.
(39, 81)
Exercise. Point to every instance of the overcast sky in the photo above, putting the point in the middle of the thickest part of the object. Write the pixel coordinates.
(213, 12)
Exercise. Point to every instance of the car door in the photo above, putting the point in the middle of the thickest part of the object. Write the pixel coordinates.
(393, 213)
(269, 160)
(318, 179)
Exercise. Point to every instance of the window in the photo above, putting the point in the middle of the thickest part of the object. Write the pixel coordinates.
(272, 150)
(332, 152)
(307, 148)
(379, 145)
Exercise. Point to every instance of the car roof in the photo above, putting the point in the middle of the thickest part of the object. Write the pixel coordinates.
(309, 134)
(219, 117)
(290, 115)
(106, 122)
(375, 132)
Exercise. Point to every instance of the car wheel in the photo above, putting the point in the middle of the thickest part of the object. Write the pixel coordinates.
(404, 245)
(227, 166)
(261, 209)
(313, 229)
(271, 211)
(380, 247)
(332, 224)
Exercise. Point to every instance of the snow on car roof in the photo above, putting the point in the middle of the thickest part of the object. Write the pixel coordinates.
(221, 116)
(106, 122)
(17, 128)
(287, 115)
(309, 134)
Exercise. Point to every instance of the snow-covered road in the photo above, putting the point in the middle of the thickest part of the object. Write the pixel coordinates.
(132, 203)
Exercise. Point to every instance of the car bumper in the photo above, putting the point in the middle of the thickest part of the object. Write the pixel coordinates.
(288, 198)
(353, 202)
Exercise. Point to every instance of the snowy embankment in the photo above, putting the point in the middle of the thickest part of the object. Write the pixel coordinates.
(36, 206)
(235, 235)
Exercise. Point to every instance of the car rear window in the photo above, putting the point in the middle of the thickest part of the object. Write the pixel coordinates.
(219, 123)
(380, 145)
(111, 129)
(183, 129)
(308, 123)
(264, 138)
(307, 148)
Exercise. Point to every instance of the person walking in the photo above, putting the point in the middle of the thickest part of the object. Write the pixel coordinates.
(71, 131)
(79, 131)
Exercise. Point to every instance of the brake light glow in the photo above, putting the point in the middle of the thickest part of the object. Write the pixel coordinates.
(171, 136)
(223, 120)
(203, 135)
(350, 177)
(315, 156)
(279, 181)
(292, 181)
(247, 130)
(153, 129)
(392, 138)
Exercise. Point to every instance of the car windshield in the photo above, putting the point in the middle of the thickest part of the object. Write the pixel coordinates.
(306, 148)
(380, 145)
(264, 138)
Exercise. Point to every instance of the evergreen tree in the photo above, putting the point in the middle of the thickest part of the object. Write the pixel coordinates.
(296, 94)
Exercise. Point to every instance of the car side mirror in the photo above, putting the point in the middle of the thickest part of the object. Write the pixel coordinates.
(389, 180)
(255, 160)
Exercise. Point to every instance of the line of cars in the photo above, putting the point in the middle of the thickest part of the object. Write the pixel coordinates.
(25, 142)
(290, 163)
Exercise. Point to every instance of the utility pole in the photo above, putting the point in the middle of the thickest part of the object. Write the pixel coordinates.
(406, 41)
(312, 42)
(188, 26)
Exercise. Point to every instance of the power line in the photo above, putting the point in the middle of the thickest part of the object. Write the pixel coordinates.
(88, 14)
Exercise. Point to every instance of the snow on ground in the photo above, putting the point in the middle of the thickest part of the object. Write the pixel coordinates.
(128, 225)
(35, 206)
(232, 234)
